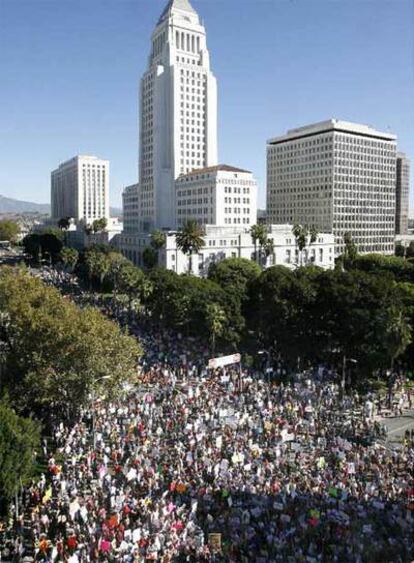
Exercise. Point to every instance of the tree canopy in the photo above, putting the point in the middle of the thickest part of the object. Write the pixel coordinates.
(19, 443)
(9, 230)
(56, 351)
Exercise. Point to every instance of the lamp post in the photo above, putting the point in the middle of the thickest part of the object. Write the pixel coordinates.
(94, 382)
(344, 362)
(267, 354)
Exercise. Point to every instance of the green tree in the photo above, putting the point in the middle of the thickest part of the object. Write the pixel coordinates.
(402, 270)
(131, 280)
(99, 225)
(179, 303)
(19, 444)
(150, 258)
(33, 247)
(400, 250)
(234, 275)
(69, 257)
(64, 223)
(350, 252)
(97, 265)
(9, 230)
(190, 239)
(55, 351)
(116, 263)
(51, 245)
(278, 311)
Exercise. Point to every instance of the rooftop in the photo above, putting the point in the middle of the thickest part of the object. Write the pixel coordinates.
(218, 168)
(182, 5)
(332, 125)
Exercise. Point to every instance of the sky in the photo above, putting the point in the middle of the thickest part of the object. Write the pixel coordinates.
(69, 74)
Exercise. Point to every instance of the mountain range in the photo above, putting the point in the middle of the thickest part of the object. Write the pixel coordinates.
(10, 205)
(15, 206)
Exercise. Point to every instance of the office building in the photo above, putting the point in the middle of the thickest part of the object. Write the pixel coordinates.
(402, 194)
(339, 177)
(80, 189)
(178, 112)
(130, 208)
(220, 195)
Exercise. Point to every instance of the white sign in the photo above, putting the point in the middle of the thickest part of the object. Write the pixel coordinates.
(224, 361)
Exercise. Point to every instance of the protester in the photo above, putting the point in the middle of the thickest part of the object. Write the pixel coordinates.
(198, 465)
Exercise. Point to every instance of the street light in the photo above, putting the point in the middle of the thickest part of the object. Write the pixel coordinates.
(268, 368)
(345, 360)
(94, 382)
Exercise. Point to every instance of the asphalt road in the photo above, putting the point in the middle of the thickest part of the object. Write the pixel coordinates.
(397, 425)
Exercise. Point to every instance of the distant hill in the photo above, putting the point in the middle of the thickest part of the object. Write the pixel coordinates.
(9, 205)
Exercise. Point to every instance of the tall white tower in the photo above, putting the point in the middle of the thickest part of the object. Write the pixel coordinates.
(178, 112)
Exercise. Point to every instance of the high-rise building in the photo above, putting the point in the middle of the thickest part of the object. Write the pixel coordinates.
(339, 177)
(402, 194)
(130, 208)
(220, 195)
(178, 112)
(80, 189)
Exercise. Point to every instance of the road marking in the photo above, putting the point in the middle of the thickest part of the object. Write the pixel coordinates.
(401, 428)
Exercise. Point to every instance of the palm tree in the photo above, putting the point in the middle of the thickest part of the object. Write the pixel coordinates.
(351, 251)
(268, 248)
(97, 265)
(158, 239)
(190, 239)
(259, 235)
(130, 283)
(216, 320)
(300, 233)
(69, 257)
(64, 224)
(116, 263)
(99, 225)
(313, 234)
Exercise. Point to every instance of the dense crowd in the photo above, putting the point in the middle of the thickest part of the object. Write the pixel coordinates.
(197, 465)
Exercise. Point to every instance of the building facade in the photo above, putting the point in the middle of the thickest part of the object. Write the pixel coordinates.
(80, 189)
(130, 208)
(220, 195)
(232, 242)
(402, 194)
(178, 112)
(339, 177)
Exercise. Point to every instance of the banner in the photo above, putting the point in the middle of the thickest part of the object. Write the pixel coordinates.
(224, 361)
(214, 541)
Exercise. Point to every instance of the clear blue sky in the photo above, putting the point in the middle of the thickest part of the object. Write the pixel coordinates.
(69, 72)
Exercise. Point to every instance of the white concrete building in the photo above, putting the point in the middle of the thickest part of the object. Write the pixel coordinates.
(130, 208)
(178, 112)
(220, 195)
(80, 189)
(339, 177)
(232, 242)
